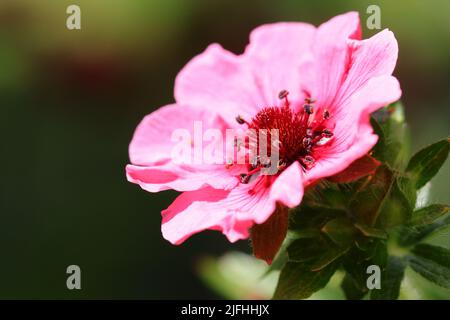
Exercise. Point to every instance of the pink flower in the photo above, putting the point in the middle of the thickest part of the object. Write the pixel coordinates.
(329, 81)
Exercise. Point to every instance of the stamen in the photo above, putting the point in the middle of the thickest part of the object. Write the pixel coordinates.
(241, 120)
(327, 133)
(308, 161)
(244, 178)
(299, 133)
(309, 108)
(284, 95)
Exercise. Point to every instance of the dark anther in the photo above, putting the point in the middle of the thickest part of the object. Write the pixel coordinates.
(267, 163)
(240, 120)
(327, 133)
(326, 114)
(283, 94)
(309, 109)
(307, 142)
(308, 160)
(244, 177)
(281, 164)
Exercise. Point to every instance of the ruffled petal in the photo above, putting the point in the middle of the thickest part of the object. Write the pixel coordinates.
(232, 212)
(219, 81)
(275, 54)
(370, 58)
(155, 178)
(323, 76)
(152, 140)
(353, 134)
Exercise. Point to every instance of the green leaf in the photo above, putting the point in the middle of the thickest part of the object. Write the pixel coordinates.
(391, 278)
(307, 249)
(366, 202)
(393, 144)
(351, 290)
(428, 214)
(340, 230)
(356, 261)
(371, 232)
(426, 163)
(297, 281)
(432, 262)
(313, 217)
(396, 208)
(437, 254)
(410, 235)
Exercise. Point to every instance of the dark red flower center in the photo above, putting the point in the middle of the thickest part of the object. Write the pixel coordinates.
(299, 134)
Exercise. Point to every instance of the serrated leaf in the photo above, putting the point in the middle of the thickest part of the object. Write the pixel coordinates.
(393, 144)
(426, 163)
(307, 249)
(356, 262)
(366, 202)
(340, 230)
(428, 214)
(351, 290)
(297, 281)
(410, 235)
(396, 208)
(312, 217)
(437, 254)
(371, 231)
(431, 270)
(391, 279)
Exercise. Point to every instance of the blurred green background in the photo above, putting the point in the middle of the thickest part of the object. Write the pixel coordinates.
(70, 101)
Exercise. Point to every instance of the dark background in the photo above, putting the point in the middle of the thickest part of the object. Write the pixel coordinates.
(70, 101)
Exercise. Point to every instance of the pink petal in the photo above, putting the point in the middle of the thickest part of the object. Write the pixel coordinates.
(155, 178)
(152, 141)
(232, 212)
(323, 76)
(353, 135)
(370, 58)
(219, 81)
(288, 188)
(275, 54)
(151, 152)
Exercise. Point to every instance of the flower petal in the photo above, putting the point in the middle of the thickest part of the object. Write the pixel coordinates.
(370, 58)
(275, 54)
(232, 212)
(288, 187)
(155, 178)
(323, 76)
(353, 134)
(152, 141)
(218, 81)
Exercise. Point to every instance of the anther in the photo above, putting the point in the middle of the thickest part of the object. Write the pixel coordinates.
(326, 114)
(244, 178)
(281, 164)
(308, 160)
(309, 109)
(283, 94)
(327, 133)
(240, 120)
(307, 142)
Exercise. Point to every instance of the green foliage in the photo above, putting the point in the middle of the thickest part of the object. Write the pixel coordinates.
(393, 146)
(298, 281)
(432, 262)
(426, 163)
(391, 279)
(348, 226)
